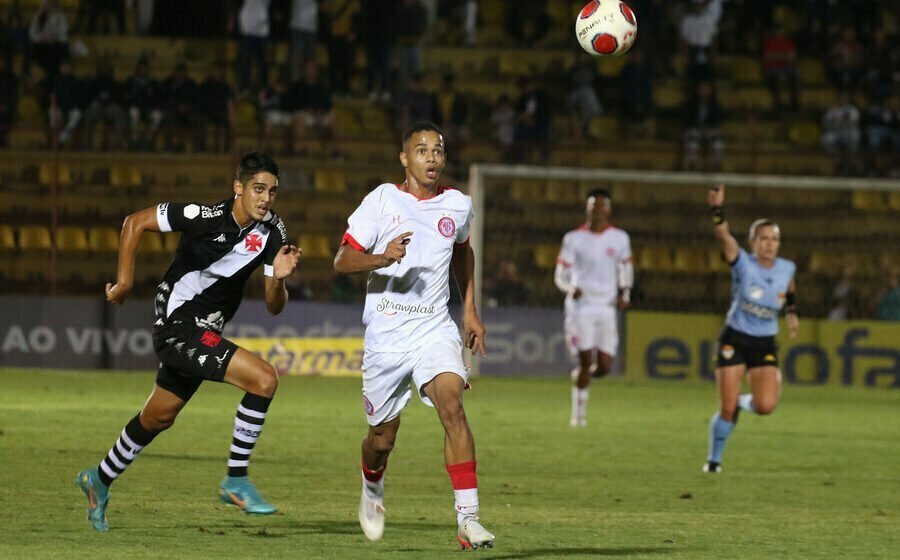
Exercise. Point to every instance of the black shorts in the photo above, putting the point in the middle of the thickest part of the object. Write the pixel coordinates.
(188, 355)
(737, 348)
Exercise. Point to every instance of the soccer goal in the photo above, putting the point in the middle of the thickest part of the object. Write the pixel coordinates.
(827, 224)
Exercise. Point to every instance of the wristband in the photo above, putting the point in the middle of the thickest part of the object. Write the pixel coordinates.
(718, 214)
(789, 305)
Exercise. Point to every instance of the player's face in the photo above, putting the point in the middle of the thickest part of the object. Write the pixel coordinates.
(257, 195)
(423, 157)
(766, 243)
(598, 208)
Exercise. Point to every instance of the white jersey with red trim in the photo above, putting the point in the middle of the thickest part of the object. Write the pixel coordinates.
(590, 262)
(406, 302)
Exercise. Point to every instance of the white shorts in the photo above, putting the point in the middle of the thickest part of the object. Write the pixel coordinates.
(598, 330)
(387, 375)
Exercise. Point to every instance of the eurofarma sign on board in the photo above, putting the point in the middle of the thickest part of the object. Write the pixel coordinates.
(672, 346)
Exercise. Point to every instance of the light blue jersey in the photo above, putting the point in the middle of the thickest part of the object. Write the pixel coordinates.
(758, 294)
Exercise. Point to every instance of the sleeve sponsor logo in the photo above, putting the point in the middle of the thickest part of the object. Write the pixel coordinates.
(191, 211)
(163, 208)
(212, 211)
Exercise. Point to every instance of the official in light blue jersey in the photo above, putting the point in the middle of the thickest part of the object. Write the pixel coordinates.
(762, 286)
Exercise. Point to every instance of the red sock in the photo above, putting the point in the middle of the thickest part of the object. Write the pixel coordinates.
(462, 475)
(373, 476)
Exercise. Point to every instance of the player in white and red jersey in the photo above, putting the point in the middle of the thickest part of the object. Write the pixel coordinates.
(594, 271)
(408, 237)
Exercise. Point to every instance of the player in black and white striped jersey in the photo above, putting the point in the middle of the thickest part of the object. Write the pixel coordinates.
(221, 246)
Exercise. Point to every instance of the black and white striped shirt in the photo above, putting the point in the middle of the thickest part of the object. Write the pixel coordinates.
(205, 282)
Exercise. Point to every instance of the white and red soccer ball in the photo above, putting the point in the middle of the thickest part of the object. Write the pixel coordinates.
(606, 27)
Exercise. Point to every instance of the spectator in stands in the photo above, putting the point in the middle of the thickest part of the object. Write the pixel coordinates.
(528, 21)
(415, 104)
(506, 288)
(216, 109)
(533, 116)
(882, 65)
(581, 98)
(313, 109)
(101, 10)
(841, 296)
(880, 125)
(888, 308)
(702, 129)
(15, 39)
(699, 28)
(636, 82)
(410, 27)
(340, 37)
(253, 31)
(779, 65)
(180, 103)
(274, 112)
(65, 96)
(503, 121)
(9, 98)
(375, 28)
(303, 27)
(142, 98)
(103, 104)
(841, 134)
(49, 34)
(452, 115)
(845, 61)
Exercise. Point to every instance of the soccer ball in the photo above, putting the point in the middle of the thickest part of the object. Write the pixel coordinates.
(606, 27)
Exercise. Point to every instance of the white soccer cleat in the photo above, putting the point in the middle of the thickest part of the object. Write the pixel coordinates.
(577, 422)
(371, 516)
(472, 534)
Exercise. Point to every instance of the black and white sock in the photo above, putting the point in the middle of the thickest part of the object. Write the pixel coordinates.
(248, 424)
(134, 438)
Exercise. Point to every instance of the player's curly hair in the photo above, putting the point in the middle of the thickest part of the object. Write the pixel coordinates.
(419, 127)
(253, 163)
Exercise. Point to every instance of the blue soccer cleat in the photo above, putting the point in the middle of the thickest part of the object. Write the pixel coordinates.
(98, 496)
(239, 491)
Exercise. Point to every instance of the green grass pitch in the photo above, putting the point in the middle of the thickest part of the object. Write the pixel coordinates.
(818, 479)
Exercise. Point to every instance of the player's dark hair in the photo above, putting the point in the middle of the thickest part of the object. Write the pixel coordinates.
(253, 163)
(754, 227)
(595, 193)
(419, 127)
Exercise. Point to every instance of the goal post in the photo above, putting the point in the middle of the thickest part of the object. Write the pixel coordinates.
(481, 177)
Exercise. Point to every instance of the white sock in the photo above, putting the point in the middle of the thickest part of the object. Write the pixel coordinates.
(745, 401)
(466, 503)
(374, 490)
(579, 403)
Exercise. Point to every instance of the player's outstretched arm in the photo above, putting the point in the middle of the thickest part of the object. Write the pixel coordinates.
(349, 260)
(463, 263)
(132, 229)
(716, 201)
(283, 266)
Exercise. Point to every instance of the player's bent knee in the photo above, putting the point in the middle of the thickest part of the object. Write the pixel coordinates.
(157, 422)
(764, 407)
(266, 382)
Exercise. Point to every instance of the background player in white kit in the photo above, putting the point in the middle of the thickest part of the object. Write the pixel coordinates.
(594, 270)
(409, 333)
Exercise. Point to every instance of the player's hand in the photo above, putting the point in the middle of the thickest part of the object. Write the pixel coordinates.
(116, 293)
(474, 330)
(577, 293)
(716, 196)
(396, 249)
(286, 261)
(793, 324)
(622, 302)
